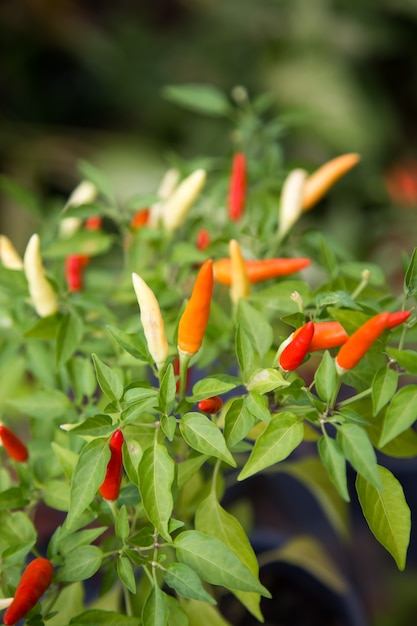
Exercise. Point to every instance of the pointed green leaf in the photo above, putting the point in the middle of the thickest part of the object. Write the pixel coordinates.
(238, 422)
(122, 527)
(93, 617)
(214, 386)
(97, 426)
(176, 614)
(387, 514)
(326, 379)
(156, 475)
(135, 344)
(202, 435)
(215, 563)
(282, 435)
(256, 327)
(267, 380)
(108, 380)
(155, 611)
(203, 614)
(43, 404)
(68, 338)
(401, 414)
(406, 358)
(197, 97)
(334, 461)
(82, 376)
(244, 350)
(167, 391)
(410, 279)
(126, 573)
(80, 564)
(186, 582)
(87, 477)
(132, 454)
(384, 386)
(358, 450)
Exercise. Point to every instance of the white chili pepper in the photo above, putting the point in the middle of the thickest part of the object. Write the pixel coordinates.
(43, 296)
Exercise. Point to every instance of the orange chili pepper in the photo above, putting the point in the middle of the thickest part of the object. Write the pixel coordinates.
(326, 335)
(319, 183)
(258, 270)
(359, 343)
(397, 318)
(140, 219)
(35, 580)
(237, 187)
(294, 352)
(194, 320)
(14, 447)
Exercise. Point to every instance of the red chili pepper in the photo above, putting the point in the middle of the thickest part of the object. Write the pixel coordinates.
(14, 447)
(203, 239)
(194, 320)
(397, 318)
(35, 580)
(140, 219)
(293, 354)
(359, 343)
(93, 222)
(74, 266)
(237, 187)
(211, 405)
(111, 485)
(258, 270)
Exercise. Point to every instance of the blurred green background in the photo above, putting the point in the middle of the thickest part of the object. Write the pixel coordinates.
(84, 80)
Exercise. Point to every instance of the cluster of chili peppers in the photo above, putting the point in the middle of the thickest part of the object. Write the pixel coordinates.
(314, 336)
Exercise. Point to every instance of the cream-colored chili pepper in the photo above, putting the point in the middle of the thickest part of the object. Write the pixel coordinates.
(291, 205)
(240, 285)
(152, 322)
(43, 296)
(175, 209)
(9, 255)
(85, 193)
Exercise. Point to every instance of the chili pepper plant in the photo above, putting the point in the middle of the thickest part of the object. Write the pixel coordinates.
(144, 374)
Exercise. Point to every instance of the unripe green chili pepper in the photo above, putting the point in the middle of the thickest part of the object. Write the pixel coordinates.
(237, 187)
(34, 582)
(259, 269)
(175, 209)
(43, 296)
(210, 405)
(110, 486)
(9, 256)
(359, 343)
(240, 285)
(194, 320)
(13, 445)
(295, 351)
(152, 322)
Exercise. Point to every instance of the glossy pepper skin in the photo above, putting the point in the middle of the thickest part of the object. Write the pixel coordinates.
(258, 270)
(14, 447)
(34, 582)
(210, 405)
(320, 181)
(294, 352)
(359, 343)
(74, 268)
(41, 292)
(327, 335)
(111, 485)
(237, 187)
(397, 318)
(194, 320)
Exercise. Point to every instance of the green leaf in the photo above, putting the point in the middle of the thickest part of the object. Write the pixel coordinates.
(80, 564)
(326, 379)
(82, 377)
(406, 358)
(334, 461)
(410, 279)
(68, 338)
(176, 614)
(167, 391)
(387, 514)
(97, 426)
(20, 194)
(45, 328)
(202, 435)
(282, 435)
(56, 495)
(44, 404)
(69, 543)
(254, 324)
(267, 380)
(126, 573)
(108, 380)
(67, 459)
(215, 563)
(87, 477)
(238, 422)
(135, 344)
(108, 618)
(68, 603)
(200, 98)
(214, 386)
(186, 582)
(155, 611)
(156, 475)
(122, 527)
(132, 454)
(384, 386)
(358, 450)
(213, 520)
(12, 498)
(98, 178)
(244, 350)
(277, 297)
(257, 405)
(401, 414)
(203, 614)
(91, 243)
(311, 473)
(188, 468)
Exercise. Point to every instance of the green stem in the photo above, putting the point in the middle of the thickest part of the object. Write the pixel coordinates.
(214, 478)
(184, 362)
(358, 396)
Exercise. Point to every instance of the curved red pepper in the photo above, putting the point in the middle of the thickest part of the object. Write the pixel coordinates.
(397, 318)
(34, 582)
(111, 485)
(237, 187)
(211, 405)
(14, 447)
(293, 354)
